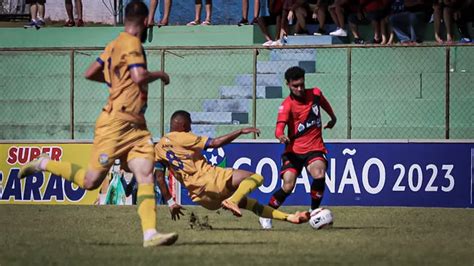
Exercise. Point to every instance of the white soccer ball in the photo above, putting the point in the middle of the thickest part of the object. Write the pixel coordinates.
(321, 218)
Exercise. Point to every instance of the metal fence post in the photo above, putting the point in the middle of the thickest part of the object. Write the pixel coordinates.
(448, 71)
(71, 85)
(349, 93)
(254, 91)
(162, 101)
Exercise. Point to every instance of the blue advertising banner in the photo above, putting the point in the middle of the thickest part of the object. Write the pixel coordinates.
(366, 174)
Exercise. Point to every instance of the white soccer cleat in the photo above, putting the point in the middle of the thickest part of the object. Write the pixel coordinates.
(339, 32)
(266, 223)
(159, 239)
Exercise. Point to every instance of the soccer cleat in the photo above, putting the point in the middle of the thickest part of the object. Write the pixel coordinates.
(298, 217)
(230, 206)
(161, 240)
(266, 223)
(32, 167)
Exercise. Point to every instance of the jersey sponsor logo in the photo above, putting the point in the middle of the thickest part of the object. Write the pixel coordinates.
(301, 127)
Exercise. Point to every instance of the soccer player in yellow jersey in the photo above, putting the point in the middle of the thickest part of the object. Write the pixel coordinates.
(209, 186)
(120, 130)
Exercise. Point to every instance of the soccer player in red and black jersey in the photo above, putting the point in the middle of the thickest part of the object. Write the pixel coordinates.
(301, 113)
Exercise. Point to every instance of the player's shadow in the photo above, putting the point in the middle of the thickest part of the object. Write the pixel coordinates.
(219, 243)
(246, 229)
(358, 228)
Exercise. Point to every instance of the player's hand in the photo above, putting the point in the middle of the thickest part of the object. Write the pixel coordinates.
(330, 124)
(315, 15)
(290, 15)
(284, 139)
(176, 211)
(165, 77)
(249, 130)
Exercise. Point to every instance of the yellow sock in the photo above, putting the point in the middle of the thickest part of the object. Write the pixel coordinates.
(265, 211)
(146, 206)
(68, 171)
(246, 186)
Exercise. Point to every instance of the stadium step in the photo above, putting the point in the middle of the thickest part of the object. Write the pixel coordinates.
(293, 54)
(246, 92)
(318, 40)
(275, 80)
(204, 130)
(210, 118)
(226, 105)
(280, 66)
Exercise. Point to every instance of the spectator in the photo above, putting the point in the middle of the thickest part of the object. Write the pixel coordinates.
(37, 11)
(277, 17)
(462, 15)
(443, 10)
(245, 12)
(197, 17)
(407, 20)
(166, 13)
(319, 13)
(70, 14)
(376, 11)
(337, 10)
(300, 10)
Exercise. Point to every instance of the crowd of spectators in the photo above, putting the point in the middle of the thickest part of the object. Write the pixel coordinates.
(404, 19)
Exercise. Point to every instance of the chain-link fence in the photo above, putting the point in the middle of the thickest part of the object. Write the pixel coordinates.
(377, 92)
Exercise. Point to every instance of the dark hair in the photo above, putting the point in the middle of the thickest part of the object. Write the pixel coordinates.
(135, 11)
(181, 113)
(294, 73)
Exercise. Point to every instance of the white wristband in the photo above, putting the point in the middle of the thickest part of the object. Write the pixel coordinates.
(171, 202)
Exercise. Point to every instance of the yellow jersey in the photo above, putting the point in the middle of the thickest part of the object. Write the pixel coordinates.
(182, 153)
(127, 100)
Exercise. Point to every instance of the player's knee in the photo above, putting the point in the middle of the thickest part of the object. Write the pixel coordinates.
(288, 187)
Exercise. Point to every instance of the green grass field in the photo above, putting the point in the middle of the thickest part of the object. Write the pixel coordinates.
(111, 235)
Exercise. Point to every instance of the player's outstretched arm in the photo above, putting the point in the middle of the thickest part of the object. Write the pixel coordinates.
(228, 138)
(142, 76)
(175, 208)
(327, 107)
(94, 72)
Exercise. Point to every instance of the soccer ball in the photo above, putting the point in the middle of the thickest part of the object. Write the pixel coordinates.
(321, 218)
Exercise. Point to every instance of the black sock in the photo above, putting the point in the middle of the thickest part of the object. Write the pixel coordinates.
(278, 198)
(317, 192)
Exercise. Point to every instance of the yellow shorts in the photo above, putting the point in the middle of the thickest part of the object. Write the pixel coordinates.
(212, 187)
(118, 139)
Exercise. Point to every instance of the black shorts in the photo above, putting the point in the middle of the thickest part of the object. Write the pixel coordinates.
(295, 162)
(41, 2)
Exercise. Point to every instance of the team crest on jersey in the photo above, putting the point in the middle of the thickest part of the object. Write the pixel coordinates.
(103, 159)
(301, 127)
(315, 108)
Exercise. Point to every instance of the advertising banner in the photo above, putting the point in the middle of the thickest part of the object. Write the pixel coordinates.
(359, 174)
(366, 174)
(42, 188)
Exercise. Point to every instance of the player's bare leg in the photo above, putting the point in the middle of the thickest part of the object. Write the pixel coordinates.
(143, 170)
(317, 169)
(243, 182)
